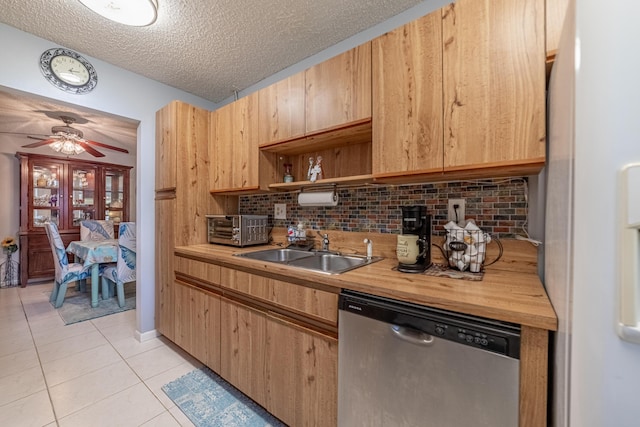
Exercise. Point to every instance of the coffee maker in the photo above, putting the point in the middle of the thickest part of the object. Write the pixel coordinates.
(416, 222)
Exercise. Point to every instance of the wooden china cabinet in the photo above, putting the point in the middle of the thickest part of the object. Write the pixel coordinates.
(64, 191)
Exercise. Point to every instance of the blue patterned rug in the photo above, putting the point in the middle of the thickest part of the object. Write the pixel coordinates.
(209, 401)
(77, 305)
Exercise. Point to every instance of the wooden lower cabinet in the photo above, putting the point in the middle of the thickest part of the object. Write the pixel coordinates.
(165, 232)
(197, 323)
(288, 369)
(36, 259)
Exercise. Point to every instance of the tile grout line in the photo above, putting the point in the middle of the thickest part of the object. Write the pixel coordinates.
(44, 378)
(98, 328)
(137, 375)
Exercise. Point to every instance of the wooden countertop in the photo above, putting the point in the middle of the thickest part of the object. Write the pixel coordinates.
(511, 296)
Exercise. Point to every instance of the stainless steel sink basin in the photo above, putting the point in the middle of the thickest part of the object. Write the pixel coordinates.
(277, 255)
(323, 262)
(330, 263)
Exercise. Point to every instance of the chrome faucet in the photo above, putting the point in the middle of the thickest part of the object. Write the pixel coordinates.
(325, 241)
(369, 244)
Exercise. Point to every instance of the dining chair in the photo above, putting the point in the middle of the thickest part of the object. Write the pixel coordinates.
(96, 229)
(65, 273)
(125, 269)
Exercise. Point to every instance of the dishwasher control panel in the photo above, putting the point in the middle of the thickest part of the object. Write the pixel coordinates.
(487, 334)
(472, 337)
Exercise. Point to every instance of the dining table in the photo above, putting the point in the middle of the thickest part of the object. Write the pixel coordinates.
(92, 253)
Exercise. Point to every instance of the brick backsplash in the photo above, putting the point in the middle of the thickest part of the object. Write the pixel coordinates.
(497, 205)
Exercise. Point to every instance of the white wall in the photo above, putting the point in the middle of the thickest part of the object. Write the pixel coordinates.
(118, 92)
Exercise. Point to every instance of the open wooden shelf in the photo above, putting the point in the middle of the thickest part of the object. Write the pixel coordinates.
(355, 132)
(551, 58)
(346, 180)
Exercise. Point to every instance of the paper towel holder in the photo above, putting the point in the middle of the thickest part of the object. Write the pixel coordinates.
(318, 198)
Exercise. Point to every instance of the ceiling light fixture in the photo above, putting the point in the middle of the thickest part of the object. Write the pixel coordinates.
(137, 13)
(66, 146)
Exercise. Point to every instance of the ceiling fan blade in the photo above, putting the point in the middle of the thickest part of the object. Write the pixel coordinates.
(110, 147)
(15, 133)
(39, 143)
(89, 149)
(38, 137)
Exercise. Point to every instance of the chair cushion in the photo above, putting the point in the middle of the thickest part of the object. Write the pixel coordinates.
(74, 272)
(125, 269)
(96, 230)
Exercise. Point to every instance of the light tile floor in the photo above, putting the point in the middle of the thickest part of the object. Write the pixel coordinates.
(92, 373)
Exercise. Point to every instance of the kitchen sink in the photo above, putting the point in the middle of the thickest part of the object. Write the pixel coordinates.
(277, 255)
(320, 261)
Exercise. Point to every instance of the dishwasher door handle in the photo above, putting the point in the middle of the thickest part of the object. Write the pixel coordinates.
(411, 335)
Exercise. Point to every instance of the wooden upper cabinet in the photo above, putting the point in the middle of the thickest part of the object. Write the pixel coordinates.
(281, 112)
(338, 90)
(407, 89)
(166, 141)
(234, 146)
(555, 14)
(181, 137)
(494, 86)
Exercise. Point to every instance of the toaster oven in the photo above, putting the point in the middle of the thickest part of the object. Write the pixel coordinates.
(238, 230)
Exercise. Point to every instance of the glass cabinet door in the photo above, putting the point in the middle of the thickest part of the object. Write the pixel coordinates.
(83, 194)
(114, 195)
(47, 195)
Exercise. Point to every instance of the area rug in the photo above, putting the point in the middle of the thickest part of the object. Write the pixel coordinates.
(209, 401)
(77, 305)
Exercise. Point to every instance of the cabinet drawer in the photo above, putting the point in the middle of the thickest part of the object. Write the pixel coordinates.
(307, 301)
(199, 270)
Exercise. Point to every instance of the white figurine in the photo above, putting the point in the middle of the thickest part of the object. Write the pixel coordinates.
(316, 171)
(311, 160)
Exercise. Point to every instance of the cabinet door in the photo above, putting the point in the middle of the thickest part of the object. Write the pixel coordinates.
(494, 83)
(83, 194)
(197, 324)
(234, 146)
(407, 93)
(555, 14)
(338, 90)
(45, 187)
(281, 111)
(289, 370)
(164, 265)
(166, 137)
(116, 195)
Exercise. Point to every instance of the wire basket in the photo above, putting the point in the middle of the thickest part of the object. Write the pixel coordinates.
(467, 249)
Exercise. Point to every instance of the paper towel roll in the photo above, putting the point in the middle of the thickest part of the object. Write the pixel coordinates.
(319, 198)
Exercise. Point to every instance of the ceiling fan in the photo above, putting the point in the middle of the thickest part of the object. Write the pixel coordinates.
(68, 140)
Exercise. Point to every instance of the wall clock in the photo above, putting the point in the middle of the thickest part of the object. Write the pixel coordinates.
(68, 71)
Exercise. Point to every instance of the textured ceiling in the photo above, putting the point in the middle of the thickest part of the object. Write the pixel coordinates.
(207, 48)
(23, 116)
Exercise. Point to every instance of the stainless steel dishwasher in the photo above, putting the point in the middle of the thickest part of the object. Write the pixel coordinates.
(402, 364)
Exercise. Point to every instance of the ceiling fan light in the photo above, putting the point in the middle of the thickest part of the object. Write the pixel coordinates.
(66, 146)
(56, 146)
(77, 148)
(137, 13)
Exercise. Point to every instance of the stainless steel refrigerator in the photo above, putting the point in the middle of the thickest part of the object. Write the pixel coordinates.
(590, 239)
